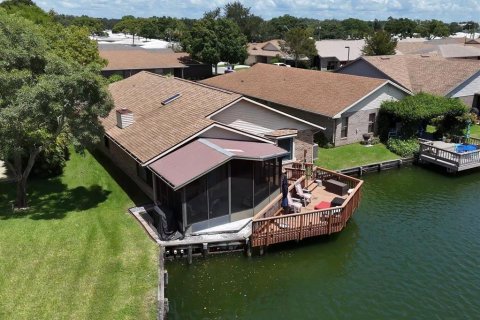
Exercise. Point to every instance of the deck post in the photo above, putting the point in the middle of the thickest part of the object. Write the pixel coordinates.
(268, 233)
(205, 249)
(248, 247)
(330, 215)
(189, 254)
(300, 232)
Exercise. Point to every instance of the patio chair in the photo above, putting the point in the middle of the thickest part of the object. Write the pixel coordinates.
(294, 203)
(304, 194)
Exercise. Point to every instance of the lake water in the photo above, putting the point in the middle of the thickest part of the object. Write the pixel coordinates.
(412, 251)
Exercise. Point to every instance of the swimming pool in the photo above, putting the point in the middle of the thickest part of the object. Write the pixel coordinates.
(461, 148)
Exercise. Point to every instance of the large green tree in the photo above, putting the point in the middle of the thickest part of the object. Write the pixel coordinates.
(433, 28)
(299, 44)
(355, 28)
(249, 24)
(380, 43)
(46, 94)
(129, 24)
(27, 9)
(213, 39)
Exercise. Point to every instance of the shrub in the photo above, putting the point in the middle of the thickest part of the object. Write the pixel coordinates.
(51, 162)
(114, 78)
(320, 139)
(375, 140)
(404, 148)
(415, 112)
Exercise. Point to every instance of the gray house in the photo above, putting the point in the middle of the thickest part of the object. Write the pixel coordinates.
(347, 106)
(454, 78)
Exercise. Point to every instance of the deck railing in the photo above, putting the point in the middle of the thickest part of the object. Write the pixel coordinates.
(450, 157)
(268, 227)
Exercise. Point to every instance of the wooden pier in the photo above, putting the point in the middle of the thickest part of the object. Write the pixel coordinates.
(444, 154)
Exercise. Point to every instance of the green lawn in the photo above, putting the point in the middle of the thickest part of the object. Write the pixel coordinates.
(76, 253)
(353, 155)
(475, 131)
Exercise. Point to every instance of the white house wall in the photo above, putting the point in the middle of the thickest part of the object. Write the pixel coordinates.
(375, 100)
(468, 88)
(254, 119)
(358, 115)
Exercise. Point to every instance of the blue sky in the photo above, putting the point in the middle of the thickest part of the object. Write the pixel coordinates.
(447, 10)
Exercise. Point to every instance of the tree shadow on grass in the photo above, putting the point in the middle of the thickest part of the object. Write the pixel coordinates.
(51, 199)
(128, 185)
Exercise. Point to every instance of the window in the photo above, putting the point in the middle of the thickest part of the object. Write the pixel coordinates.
(106, 142)
(286, 144)
(331, 65)
(344, 131)
(371, 122)
(144, 174)
(476, 101)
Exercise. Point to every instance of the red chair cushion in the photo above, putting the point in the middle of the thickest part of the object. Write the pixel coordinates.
(322, 205)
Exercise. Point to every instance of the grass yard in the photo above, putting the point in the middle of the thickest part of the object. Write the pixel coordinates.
(76, 253)
(353, 155)
(475, 131)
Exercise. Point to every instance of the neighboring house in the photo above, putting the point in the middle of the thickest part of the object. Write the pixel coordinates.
(447, 48)
(205, 156)
(456, 78)
(332, 54)
(127, 61)
(347, 106)
(265, 52)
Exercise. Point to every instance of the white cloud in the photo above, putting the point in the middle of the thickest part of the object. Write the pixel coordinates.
(446, 10)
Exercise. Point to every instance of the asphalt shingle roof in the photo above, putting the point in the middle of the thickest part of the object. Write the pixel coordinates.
(124, 59)
(156, 127)
(319, 92)
(425, 73)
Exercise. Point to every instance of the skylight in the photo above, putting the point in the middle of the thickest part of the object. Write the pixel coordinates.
(171, 99)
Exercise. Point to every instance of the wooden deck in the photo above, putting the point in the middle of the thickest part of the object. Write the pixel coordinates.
(443, 154)
(272, 226)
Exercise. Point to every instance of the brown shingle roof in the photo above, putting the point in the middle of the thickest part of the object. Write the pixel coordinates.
(432, 74)
(256, 49)
(158, 127)
(315, 91)
(140, 59)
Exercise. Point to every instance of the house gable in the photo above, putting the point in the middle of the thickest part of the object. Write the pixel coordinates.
(362, 68)
(387, 92)
(468, 88)
(270, 47)
(250, 116)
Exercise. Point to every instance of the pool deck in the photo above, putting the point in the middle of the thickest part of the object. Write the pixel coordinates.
(444, 154)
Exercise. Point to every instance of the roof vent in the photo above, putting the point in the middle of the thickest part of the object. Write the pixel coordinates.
(124, 118)
(171, 99)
